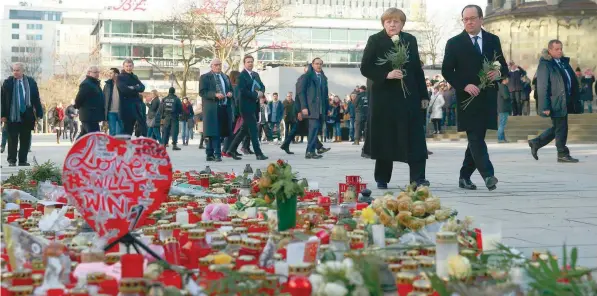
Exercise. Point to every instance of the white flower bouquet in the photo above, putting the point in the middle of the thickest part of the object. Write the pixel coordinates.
(335, 278)
(486, 81)
(397, 56)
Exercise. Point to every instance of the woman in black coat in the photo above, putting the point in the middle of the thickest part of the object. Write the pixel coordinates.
(396, 122)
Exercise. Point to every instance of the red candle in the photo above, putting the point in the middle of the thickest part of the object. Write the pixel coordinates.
(132, 265)
(109, 286)
(172, 251)
(204, 179)
(404, 282)
(55, 292)
(196, 248)
(171, 278)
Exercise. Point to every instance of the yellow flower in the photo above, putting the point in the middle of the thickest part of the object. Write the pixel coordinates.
(368, 216)
(222, 258)
(459, 266)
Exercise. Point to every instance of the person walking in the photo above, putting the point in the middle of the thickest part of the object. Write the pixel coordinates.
(289, 114)
(153, 117)
(351, 113)
(112, 98)
(236, 122)
(170, 109)
(275, 113)
(504, 105)
(264, 127)
(131, 104)
(339, 112)
(90, 102)
(59, 121)
(463, 60)
(435, 109)
(559, 95)
(586, 89)
(73, 117)
(313, 98)
(396, 122)
(185, 116)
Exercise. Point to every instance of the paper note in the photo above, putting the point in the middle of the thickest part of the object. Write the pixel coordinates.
(379, 235)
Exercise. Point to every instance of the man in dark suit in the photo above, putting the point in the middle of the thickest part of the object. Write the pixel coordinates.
(250, 89)
(131, 104)
(20, 107)
(216, 94)
(559, 95)
(313, 99)
(90, 102)
(463, 60)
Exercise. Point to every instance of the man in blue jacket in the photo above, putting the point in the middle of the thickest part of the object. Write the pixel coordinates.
(130, 88)
(275, 111)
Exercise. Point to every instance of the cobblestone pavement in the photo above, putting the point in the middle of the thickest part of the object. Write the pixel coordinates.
(540, 204)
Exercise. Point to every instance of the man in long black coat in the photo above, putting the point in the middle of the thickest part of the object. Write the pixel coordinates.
(464, 57)
(216, 95)
(90, 102)
(396, 122)
(20, 107)
(250, 88)
(313, 98)
(131, 104)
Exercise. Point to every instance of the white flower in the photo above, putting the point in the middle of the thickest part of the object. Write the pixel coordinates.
(497, 64)
(335, 289)
(395, 38)
(355, 278)
(459, 266)
(317, 281)
(360, 291)
(348, 263)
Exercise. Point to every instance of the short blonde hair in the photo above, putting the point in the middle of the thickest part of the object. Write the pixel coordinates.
(393, 13)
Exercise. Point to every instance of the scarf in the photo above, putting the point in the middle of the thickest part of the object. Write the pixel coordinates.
(15, 107)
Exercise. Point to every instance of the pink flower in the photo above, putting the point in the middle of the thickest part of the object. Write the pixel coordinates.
(215, 212)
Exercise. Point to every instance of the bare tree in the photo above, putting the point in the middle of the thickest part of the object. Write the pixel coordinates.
(226, 30)
(30, 54)
(432, 34)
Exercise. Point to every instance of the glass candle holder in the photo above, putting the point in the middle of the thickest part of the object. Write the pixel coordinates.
(404, 282)
(446, 246)
(172, 251)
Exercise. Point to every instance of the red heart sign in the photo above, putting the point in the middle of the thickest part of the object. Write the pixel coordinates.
(115, 184)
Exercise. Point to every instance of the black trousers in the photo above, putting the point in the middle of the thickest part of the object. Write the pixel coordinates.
(516, 97)
(559, 132)
(249, 128)
(476, 156)
(133, 113)
(383, 170)
(19, 134)
(89, 127)
(170, 129)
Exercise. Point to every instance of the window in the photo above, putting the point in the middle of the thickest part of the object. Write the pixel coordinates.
(265, 37)
(14, 59)
(39, 26)
(30, 26)
(35, 15)
(121, 50)
(34, 37)
(338, 57)
(14, 49)
(356, 56)
(301, 35)
(163, 30)
(121, 28)
(321, 35)
(264, 55)
(141, 29)
(357, 35)
(15, 26)
(300, 56)
(339, 36)
(282, 56)
(15, 36)
(141, 51)
(158, 51)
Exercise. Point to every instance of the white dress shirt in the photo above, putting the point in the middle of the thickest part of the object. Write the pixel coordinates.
(479, 40)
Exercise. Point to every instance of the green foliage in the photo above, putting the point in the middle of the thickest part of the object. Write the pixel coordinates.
(284, 183)
(47, 171)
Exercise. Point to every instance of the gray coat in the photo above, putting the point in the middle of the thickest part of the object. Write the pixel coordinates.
(313, 97)
(551, 87)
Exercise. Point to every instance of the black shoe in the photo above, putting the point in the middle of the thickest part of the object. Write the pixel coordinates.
(311, 155)
(534, 149)
(2, 150)
(567, 159)
(323, 150)
(174, 147)
(24, 164)
(382, 185)
(466, 184)
(286, 149)
(262, 157)
(201, 147)
(490, 182)
(210, 158)
(250, 151)
(429, 152)
(424, 183)
(218, 159)
(235, 155)
(12, 164)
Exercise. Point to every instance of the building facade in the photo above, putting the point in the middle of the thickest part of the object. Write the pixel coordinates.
(525, 28)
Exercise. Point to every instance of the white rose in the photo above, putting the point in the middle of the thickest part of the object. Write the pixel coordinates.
(321, 268)
(335, 289)
(317, 281)
(497, 64)
(355, 278)
(395, 38)
(360, 291)
(348, 263)
(459, 266)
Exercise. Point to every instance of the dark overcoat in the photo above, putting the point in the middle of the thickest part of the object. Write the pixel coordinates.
(313, 94)
(215, 124)
(90, 101)
(395, 130)
(461, 67)
(31, 113)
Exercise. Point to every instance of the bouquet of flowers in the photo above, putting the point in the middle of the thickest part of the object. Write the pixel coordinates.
(397, 56)
(278, 182)
(346, 278)
(486, 81)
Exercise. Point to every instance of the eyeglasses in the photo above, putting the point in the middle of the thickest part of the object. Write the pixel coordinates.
(470, 19)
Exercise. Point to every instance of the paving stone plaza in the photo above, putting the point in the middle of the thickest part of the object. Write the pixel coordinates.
(540, 204)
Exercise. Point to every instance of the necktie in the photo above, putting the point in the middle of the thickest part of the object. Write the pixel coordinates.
(22, 104)
(220, 88)
(476, 44)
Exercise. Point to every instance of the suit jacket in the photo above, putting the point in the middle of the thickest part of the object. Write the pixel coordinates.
(207, 91)
(126, 94)
(90, 101)
(279, 111)
(6, 101)
(461, 67)
(249, 99)
(314, 96)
